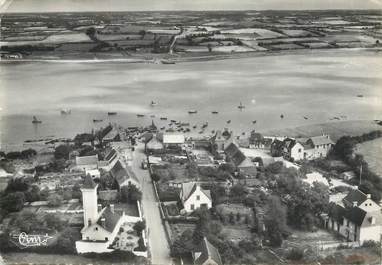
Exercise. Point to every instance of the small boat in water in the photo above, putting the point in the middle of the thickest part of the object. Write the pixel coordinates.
(360, 96)
(97, 120)
(215, 112)
(306, 118)
(229, 121)
(173, 121)
(35, 120)
(282, 116)
(205, 125)
(153, 103)
(111, 113)
(66, 111)
(254, 122)
(140, 115)
(163, 118)
(194, 126)
(162, 128)
(167, 62)
(241, 106)
(192, 111)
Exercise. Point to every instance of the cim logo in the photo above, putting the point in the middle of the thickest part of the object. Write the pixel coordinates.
(23, 240)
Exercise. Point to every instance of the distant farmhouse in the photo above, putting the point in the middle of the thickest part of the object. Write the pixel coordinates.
(194, 197)
(357, 217)
(303, 148)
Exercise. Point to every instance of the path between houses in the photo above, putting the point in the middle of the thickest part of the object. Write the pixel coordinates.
(158, 244)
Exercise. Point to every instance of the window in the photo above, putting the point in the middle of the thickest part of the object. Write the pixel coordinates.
(192, 207)
(106, 239)
(96, 229)
(299, 150)
(197, 197)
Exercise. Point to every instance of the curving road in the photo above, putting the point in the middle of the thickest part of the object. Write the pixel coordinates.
(158, 245)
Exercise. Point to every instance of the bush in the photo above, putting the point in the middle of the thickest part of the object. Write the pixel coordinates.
(295, 254)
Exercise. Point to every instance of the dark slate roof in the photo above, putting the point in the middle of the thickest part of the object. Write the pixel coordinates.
(189, 188)
(355, 196)
(122, 174)
(89, 183)
(234, 154)
(356, 215)
(119, 172)
(336, 212)
(110, 154)
(208, 251)
(111, 219)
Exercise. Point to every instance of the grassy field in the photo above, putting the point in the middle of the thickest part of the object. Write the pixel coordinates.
(334, 129)
(372, 152)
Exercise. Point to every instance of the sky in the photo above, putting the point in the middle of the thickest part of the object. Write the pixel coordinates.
(148, 5)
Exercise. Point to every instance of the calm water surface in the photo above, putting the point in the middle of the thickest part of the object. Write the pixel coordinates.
(317, 85)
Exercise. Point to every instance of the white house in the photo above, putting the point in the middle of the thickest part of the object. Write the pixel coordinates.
(87, 162)
(101, 226)
(358, 218)
(173, 140)
(94, 173)
(317, 147)
(194, 197)
(297, 151)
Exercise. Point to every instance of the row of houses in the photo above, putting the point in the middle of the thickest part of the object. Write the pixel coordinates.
(302, 148)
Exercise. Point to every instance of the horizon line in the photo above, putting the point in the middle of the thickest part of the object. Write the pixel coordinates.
(190, 10)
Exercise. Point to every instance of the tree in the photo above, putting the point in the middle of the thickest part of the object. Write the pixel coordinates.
(53, 221)
(55, 200)
(17, 184)
(139, 227)
(62, 151)
(25, 154)
(130, 193)
(201, 229)
(13, 202)
(66, 241)
(33, 194)
(275, 167)
(275, 221)
(155, 177)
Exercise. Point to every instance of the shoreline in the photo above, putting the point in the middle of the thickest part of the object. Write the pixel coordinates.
(184, 58)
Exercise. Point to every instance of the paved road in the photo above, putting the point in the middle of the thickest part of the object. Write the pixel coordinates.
(160, 250)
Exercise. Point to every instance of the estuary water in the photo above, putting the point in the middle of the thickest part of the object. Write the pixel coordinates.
(306, 88)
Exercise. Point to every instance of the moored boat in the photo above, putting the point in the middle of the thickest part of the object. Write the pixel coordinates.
(35, 120)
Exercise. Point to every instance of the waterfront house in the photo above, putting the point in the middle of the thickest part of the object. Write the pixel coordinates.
(206, 254)
(194, 197)
(220, 141)
(357, 217)
(173, 140)
(317, 147)
(110, 159)
(87, 162)
(124, 175)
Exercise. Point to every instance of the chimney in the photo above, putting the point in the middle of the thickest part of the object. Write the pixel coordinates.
(112, 208)
(368, 196)
(99, 207)
(355, 204)
(103, 221)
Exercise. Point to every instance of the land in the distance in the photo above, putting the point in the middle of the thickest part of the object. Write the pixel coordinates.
(171, 36)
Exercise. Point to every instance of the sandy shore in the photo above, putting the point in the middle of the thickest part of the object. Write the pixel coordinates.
(176, 58)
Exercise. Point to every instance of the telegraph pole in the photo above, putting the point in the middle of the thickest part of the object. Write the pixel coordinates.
(360, 175)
